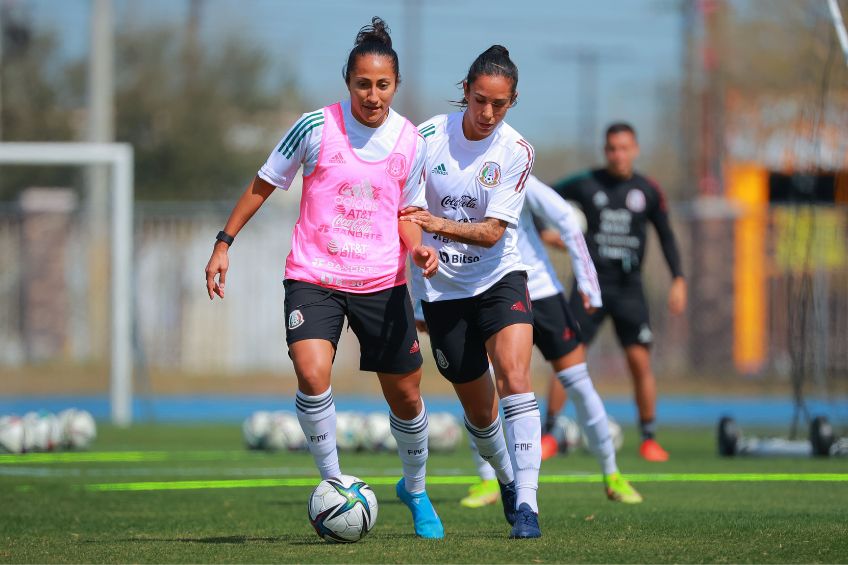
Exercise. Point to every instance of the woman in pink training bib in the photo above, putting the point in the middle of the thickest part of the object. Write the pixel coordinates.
(362, 164)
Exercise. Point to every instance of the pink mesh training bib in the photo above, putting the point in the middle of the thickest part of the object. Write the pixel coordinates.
(347, 235)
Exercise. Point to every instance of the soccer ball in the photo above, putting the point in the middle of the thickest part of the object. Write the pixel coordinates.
(378, 433)
(255, 429)
(567, 433)
(11, 434)
(350, 431)
(343, 509)
(76, 428)
(285, 432)
(40, 431)
(615, 432)
(445, 432)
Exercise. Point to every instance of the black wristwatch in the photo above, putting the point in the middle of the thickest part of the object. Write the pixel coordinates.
(225, 237)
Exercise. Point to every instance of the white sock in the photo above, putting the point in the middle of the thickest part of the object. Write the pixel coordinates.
(524, 440)
(411, 436)
(317, 417)
(590, 414)
(484, 470)
(492, 448)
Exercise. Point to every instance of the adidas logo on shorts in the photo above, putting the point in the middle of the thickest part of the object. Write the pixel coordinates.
(518, 307)
(415, 348)
(338, 159)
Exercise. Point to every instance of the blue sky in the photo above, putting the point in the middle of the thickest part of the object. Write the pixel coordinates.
(639, 38)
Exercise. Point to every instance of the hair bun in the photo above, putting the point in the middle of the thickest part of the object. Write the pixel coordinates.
(497, 50)
(377, 32)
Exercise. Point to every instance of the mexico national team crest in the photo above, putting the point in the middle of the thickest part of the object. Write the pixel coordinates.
(635, 200)
(600, 199)
(490, 174)
(441, 360)
(295, 319)
(396, 166)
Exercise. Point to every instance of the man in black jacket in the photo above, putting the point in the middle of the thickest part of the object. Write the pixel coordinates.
(618, 203)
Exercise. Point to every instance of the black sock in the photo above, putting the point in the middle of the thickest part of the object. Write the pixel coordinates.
(548, 424)
(648, 429)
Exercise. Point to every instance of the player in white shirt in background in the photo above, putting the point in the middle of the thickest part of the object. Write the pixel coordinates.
(557, 335)
(477, 306)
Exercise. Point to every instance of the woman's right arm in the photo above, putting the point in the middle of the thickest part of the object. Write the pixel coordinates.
(299, 146)
(250, 201)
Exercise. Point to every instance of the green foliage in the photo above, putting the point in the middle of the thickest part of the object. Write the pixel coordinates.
(202, 120)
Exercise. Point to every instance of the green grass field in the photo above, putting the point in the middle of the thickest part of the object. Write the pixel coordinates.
(191, 494)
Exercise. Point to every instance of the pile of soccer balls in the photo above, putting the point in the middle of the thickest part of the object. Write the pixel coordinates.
(44, 431)
(569, 436)
(355, 431)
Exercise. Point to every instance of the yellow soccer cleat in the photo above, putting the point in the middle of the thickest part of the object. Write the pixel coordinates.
(482, 494)
(619, 490)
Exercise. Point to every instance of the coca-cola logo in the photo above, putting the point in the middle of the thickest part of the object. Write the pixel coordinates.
(464, 201)
(353, 225)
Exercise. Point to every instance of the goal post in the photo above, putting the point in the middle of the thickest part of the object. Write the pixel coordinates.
(119, 156)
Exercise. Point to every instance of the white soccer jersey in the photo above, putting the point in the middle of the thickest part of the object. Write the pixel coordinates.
(468, 181)
(302, 143)
(542, 280)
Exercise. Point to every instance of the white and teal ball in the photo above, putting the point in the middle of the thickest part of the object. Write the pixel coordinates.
(78, 429)
(342, 509)
(445, 432)
(255, 429)
(378, 433)
(11, 434)
(615, 431)
(350, 431)
(286, 432)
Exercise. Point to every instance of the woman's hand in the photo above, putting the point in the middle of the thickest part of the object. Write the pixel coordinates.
(218, 265)
(426, 257)
(587, 305)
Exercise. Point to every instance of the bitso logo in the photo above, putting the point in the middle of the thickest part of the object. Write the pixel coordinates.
(396, 166)
(295, 319)
(490, 174)
(441, 360)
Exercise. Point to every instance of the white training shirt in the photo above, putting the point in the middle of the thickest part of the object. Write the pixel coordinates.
(468, 181)
(542, 282)
(302, 143)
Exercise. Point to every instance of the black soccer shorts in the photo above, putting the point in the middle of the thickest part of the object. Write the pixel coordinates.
(382, 321)
(459, 328)
(555, 330)
(625, 304)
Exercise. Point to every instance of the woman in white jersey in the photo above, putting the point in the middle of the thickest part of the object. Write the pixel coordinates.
(557, 334)
(477, 304)
(362, 163)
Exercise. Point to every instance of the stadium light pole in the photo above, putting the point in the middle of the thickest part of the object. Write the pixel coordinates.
(100, 129)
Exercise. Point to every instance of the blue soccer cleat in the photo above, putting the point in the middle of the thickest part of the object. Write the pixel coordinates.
(526, 523)
(508, 499)
(424, 518)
